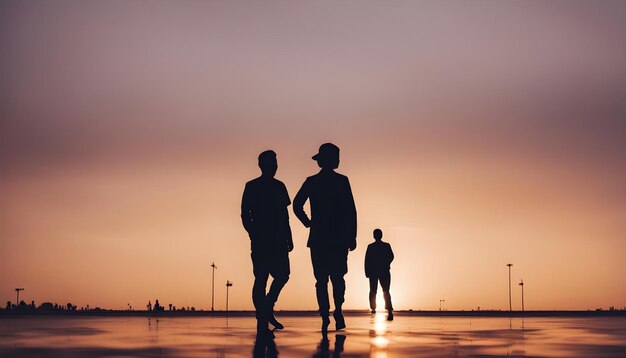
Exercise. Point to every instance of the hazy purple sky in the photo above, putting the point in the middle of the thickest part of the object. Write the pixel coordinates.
(474, 133)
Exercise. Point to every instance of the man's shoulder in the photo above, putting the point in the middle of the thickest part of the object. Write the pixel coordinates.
(325, 176)
(253, 182)
(264, 181)
(277, 182)
(265, 184)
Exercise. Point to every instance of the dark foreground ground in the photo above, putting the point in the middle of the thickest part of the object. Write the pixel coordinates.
(409, 335)
(411, 313)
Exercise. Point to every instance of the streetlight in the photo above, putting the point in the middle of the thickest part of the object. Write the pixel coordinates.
(440, 301)
(510, 305)
(17, 299)
(228, 284)
(213, 267)
(522, 284)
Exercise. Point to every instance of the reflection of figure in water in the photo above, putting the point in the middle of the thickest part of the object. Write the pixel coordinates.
(323, 350)
(265, 347)
(266, 219)
(332, 229)
(378, 259)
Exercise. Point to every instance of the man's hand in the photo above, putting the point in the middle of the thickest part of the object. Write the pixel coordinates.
(352, 246)
(290, 246)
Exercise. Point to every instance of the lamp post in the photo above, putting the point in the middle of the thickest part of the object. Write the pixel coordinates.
(228, 284)
(510, 305)
(17, 298)
(522, 284)
(213, 267)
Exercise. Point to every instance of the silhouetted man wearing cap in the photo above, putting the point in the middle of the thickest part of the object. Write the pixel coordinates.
(266, 219)
(332, 229)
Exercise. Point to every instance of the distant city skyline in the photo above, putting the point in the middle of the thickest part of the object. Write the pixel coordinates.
(474, 135)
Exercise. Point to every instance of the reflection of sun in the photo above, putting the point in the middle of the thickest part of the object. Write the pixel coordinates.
(380, 303)
(379, 342)
(380, 324)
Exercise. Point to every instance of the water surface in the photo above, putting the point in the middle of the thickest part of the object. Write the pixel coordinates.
(366, 336)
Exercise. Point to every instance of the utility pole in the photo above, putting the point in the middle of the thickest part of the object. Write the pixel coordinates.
(228, 284)
(17, 298)
(440, 301)
(510, 305)
(522, 284)
(213, 287)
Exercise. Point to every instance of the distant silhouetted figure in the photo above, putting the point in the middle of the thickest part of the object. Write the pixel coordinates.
(158, 307)
(332, 229)
(149, 306)
(266, 219)
(378, 259)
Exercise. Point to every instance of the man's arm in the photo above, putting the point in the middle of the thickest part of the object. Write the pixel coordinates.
(350, 217)
(246, 210)
(287, 202)
(391, 256)
(367, 262)
(298, 204)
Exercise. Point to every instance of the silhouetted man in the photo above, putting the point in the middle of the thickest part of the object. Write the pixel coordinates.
(378, 259)
(332, 229)
(266, 219)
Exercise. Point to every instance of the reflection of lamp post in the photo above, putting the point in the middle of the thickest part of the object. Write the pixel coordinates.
(440, 301)
(510, 305)
(228, 284)
(213, 286)
(17, 293)
(522, 284)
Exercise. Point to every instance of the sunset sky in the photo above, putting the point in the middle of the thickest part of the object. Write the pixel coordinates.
(474, 134)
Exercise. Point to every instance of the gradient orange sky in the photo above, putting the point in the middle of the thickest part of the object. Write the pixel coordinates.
(474, 134)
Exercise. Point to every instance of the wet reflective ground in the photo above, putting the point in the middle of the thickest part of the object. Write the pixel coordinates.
(366, 336)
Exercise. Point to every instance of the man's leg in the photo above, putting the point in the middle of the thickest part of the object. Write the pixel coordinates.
(385, 283)
(339, 264)
(319, 260)
(261, 274)
(280, 272)
(373, 291)
(320, 263)
(339, 290)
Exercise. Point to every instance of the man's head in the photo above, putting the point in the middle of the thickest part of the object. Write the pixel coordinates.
(268, 163)
(378, 234)
(327, 156)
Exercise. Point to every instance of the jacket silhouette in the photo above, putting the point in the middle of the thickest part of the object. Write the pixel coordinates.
(333, 212)
(378, 259)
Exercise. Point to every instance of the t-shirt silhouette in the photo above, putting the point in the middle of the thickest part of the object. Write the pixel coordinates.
(264, 213)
